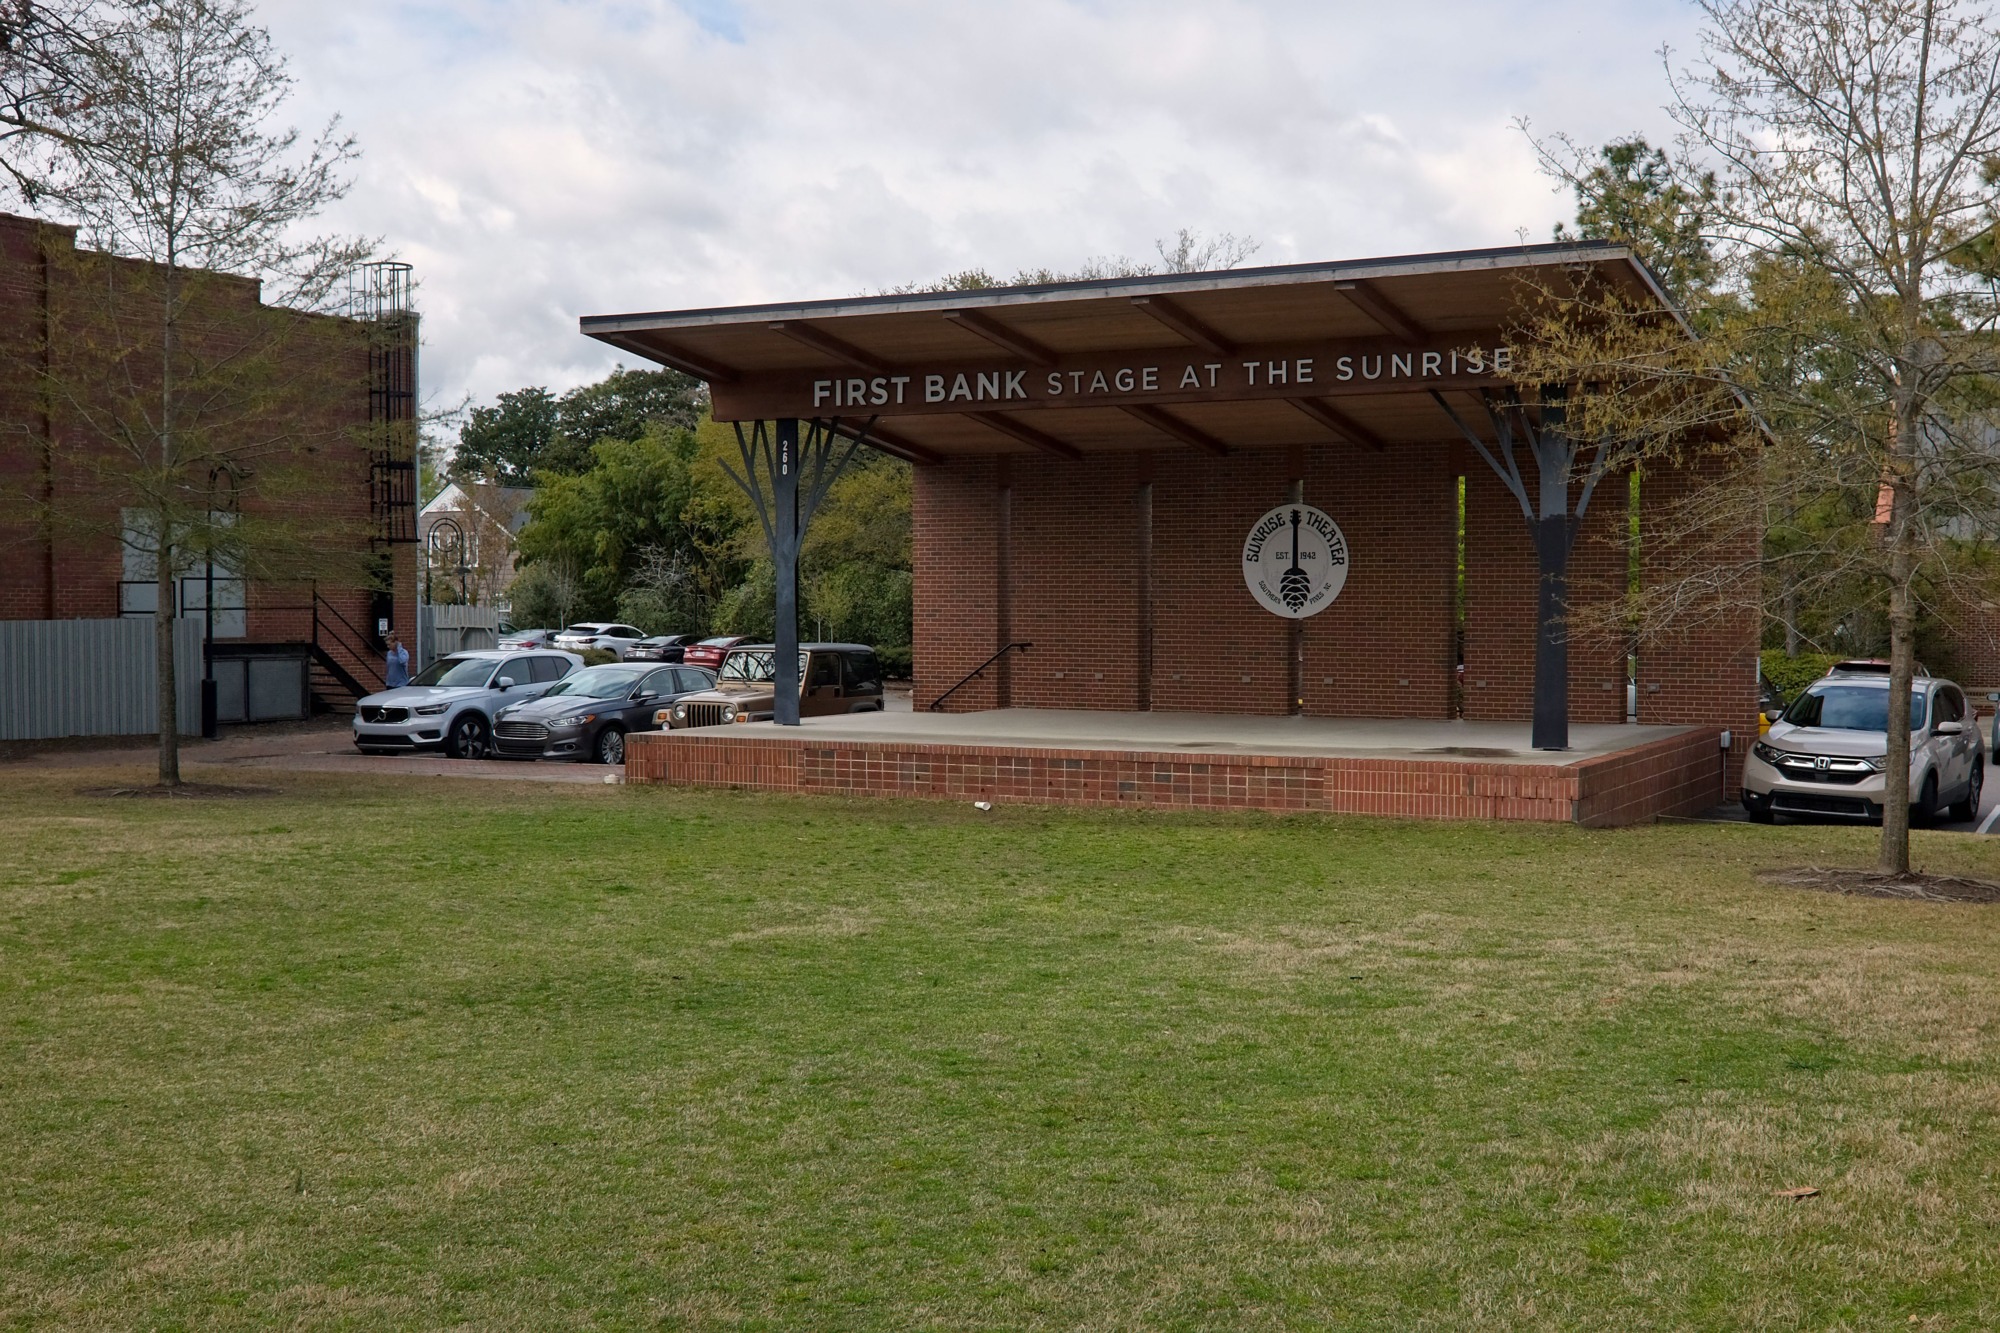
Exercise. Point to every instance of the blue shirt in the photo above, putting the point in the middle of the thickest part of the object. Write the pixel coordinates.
(398, 670)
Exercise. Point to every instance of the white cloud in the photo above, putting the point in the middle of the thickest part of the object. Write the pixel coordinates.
(537, 160)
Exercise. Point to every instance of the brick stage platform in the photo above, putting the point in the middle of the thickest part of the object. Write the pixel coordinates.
(1613, 775)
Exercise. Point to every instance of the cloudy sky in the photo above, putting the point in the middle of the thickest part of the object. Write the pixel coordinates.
(537, 160)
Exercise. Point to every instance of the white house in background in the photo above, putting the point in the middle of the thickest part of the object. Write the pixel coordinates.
(467, 534)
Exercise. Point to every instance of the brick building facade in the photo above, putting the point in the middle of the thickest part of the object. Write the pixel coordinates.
(62, 538)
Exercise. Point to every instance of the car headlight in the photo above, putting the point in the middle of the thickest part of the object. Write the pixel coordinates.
(729, 712)
(1876, 762)
(1765, 752)
(681, 711)
(430, 710)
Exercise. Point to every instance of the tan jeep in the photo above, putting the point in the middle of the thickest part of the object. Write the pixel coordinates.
(833, 678)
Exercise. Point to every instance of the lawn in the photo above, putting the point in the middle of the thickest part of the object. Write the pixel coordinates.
(418, 1053)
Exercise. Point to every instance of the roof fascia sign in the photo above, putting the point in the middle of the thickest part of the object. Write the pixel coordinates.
(1315, 370)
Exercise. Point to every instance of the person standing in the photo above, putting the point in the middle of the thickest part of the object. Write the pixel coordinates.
(396, 669)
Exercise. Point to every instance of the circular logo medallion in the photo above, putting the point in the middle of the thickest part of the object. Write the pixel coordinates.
(1295, 561)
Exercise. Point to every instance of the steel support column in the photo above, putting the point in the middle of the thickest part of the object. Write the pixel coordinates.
(785, 555)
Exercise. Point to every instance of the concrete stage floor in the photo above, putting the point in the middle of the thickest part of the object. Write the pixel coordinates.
(1217, 733)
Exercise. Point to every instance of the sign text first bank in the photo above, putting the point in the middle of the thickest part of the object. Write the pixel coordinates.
(1256, 376)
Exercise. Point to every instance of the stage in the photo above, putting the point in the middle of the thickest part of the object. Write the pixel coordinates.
(1612, 775)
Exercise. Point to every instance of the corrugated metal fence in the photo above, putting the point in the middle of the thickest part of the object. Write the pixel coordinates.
(454, 629)
(92, 677)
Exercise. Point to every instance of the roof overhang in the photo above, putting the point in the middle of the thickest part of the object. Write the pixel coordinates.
(1242, 359)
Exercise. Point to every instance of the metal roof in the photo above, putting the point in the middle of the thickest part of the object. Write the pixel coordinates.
(1160, 361)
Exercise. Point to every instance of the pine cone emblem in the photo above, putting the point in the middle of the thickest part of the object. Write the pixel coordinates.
(1295, 587)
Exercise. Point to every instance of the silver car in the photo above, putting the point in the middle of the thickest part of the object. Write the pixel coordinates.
(1826, 753)
(600, 634)
(450, 705)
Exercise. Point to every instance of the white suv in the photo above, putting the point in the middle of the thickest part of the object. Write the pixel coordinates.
(1825, 756)
(450, 705)
(599, 634)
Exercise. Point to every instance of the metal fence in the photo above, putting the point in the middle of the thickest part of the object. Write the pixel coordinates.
(92, 677)
(456, 629)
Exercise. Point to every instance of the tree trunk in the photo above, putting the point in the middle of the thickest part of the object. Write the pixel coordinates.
(1552, 543)
(163, 642)
(1894, 857)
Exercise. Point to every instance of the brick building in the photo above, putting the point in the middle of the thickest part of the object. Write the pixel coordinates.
(1093, 461)
(341, 415)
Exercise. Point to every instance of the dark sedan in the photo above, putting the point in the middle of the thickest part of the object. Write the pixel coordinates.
(586, 714)
(659, 648)
(710, 652)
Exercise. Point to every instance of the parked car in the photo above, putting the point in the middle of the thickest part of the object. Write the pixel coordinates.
(710, 652)
(587, 715)
(517, 640)
(601, 635)
(659, 648)
(1826, 754)
(451, 703)
(833, 678)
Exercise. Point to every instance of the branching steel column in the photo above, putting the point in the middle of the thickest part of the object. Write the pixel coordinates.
(785, 511)
(1546, 437)
(785, 555)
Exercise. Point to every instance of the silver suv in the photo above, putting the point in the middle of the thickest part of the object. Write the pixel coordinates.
(450, 705)
(1825, 755)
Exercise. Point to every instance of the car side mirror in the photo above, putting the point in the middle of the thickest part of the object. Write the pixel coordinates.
(505, 682)
(1774, 715)
(1949, 729)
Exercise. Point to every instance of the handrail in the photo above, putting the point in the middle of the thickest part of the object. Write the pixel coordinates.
(364, 656)
(937, 704)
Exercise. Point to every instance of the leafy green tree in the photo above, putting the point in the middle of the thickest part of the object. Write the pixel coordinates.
(623, 404)
(1632, 194)
(528, 434)
(510, 441)
(606, 519)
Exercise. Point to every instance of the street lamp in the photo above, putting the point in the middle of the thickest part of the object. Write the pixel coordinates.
(210, 728)
(446, 526)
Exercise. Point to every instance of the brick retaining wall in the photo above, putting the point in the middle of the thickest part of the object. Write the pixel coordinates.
(1674, 775)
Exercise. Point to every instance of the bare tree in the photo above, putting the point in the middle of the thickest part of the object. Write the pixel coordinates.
(178, 376)
(1857, 144)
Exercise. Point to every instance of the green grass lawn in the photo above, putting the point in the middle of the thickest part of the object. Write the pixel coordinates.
(420, 1053)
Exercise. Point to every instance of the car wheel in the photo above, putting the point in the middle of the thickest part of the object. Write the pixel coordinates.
(611, 746)
(1968, 809)
(468, 738)
(1926, 809)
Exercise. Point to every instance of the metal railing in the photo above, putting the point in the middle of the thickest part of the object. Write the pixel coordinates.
(937, 704)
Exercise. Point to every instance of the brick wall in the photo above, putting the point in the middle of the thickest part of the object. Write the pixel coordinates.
(55, 315)
(1700, 665)
(1071, 540)
(1673, 775)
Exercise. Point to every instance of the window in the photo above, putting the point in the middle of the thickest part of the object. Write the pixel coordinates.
(456, 672)
(139, 589)
(693, 680)
(598, 682)
(863, 675)
(541, 670)
(1950, 707)
(659, 682)
(626, 632)
(825, 671)
(1850, 708)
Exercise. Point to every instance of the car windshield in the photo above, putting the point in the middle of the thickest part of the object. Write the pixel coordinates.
(722, 642)
(1850, 708)
(583, 631)
(456, 672)
(599, 682)
(755, 668)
